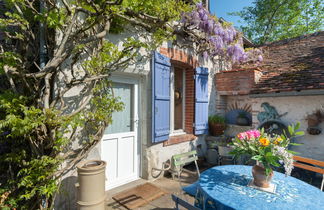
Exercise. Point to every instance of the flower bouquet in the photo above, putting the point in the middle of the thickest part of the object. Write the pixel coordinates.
(268, 150)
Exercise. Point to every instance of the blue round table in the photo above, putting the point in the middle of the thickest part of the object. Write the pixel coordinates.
(225, 187)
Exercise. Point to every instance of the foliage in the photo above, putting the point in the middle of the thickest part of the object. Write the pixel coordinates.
(271, 20)
(59, 92)
(219, 38)
(217, 119)
(266, 148)
(39, 118)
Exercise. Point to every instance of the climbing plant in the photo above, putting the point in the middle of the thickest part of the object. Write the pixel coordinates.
(216, 38)
(55, 61)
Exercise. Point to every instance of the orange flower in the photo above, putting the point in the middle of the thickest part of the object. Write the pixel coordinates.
(278, 140)
(264, 141)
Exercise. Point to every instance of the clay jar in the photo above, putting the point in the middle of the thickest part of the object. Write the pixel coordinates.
(260, 178)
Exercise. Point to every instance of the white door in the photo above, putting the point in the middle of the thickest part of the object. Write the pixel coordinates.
(119, 143)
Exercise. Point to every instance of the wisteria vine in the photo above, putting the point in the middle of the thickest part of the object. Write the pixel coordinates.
(220, 38)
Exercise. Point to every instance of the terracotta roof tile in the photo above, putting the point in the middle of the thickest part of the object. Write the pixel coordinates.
(292, 65)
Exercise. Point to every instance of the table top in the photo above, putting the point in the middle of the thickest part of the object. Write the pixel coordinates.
(226, 187)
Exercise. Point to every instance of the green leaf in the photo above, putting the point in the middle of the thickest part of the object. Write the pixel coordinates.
(295, 144)
(257, 157)
(300, 133)
(297, 126)
(291, 130)
(292, 152)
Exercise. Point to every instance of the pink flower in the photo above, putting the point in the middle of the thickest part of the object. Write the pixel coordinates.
(253, 133)
(242, 136)
(257, 134)
(248, 135)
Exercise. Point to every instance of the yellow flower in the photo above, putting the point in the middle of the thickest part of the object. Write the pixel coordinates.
(278, 140)
(264, 141)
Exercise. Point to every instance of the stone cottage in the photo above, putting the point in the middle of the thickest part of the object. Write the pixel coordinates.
(290, 82)
(168, 98)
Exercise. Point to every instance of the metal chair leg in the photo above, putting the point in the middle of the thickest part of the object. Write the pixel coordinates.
(197, 168)
(322, 183)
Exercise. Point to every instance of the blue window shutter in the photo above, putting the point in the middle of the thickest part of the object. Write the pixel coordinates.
(201, 100)
(161, 67)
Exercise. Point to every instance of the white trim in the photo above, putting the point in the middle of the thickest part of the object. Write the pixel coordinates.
(172, 84)
(136, 132)
(177, 133)
(121, 182)
(172, 100)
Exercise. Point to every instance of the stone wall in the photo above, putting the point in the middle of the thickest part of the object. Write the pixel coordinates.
(297, 108)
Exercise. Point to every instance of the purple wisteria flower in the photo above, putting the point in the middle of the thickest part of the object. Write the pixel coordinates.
(223, 39)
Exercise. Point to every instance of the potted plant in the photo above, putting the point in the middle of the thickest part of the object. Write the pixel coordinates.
(216, 125)
(242, 119)
(268, 150)
(224, 146)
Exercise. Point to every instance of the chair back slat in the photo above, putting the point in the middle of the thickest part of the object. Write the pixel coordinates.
(308, 160)
(185, 158)
(184, 161)
(309, 168)
(314, 168)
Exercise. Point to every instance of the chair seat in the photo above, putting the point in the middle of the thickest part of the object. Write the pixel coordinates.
(191, 189)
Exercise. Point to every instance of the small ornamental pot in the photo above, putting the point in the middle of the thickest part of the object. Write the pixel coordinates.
(242, 121)
(260, 178)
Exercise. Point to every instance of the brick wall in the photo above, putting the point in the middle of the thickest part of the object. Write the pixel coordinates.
(180, 57)
(237, 81)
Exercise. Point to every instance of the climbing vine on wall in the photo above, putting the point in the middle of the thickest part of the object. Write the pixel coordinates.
(50, 49)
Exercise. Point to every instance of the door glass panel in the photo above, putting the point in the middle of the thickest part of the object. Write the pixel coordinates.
(122, 121)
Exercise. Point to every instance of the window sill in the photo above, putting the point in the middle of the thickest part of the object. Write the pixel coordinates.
(178, 133)
(179, 139)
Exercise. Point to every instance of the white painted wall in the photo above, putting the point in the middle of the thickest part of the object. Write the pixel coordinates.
(298, 107)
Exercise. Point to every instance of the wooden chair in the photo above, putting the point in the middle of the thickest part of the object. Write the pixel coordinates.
(316, 165)
(178, 201)
(180, 160)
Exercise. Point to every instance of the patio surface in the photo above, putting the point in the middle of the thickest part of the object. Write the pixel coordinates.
(164, 202)
(173, 187)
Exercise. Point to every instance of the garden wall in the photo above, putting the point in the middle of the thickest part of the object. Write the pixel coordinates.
(297, 108)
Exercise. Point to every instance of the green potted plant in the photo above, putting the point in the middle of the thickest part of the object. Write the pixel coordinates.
(216, 125)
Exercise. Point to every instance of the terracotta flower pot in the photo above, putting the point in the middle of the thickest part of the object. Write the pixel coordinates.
(260, 178)
(216, 129)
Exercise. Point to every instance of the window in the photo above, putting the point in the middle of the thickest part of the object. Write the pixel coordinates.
(179, 98)
(177, 105)
(122, 120)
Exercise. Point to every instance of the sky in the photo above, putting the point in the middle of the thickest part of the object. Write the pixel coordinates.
(220, 8)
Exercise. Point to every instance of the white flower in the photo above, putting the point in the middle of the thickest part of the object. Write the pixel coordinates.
(286, 158)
